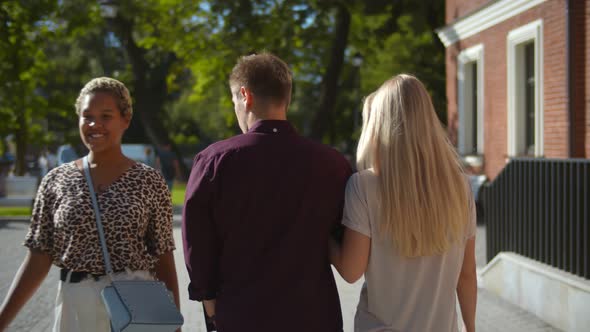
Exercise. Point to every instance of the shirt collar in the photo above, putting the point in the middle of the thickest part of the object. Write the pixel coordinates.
(272, 127)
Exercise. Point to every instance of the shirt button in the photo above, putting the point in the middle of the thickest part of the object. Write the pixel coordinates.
(274, 130)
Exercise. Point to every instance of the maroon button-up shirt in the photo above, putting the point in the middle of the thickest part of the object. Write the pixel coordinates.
(258, 213)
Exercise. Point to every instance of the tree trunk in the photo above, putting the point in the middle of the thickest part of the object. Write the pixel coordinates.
(323, 117)
(150, 88)
(21, 132)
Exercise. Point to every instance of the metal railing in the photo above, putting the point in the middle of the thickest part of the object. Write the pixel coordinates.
(539, 208)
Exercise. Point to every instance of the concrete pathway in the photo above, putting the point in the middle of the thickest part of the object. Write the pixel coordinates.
(493, 313)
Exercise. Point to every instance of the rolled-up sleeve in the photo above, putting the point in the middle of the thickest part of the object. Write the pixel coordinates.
(199, 234)
(40, 234)
(159, 235)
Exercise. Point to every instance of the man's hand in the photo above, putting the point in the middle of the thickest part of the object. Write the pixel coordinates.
(209, 308)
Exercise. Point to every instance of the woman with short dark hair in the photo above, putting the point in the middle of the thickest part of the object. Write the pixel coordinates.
(136, 214)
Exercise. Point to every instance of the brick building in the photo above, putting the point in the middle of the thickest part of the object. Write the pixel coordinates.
(518, 79)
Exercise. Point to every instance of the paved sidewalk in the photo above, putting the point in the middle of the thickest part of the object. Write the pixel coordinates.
(493, 313)
(496, 314)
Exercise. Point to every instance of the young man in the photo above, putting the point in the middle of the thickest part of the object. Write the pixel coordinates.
(258, 213)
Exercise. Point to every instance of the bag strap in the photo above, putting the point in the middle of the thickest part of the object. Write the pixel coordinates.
(103, 243)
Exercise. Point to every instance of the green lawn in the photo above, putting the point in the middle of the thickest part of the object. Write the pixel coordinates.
(177, 199)
(178, 193)
(9, 211)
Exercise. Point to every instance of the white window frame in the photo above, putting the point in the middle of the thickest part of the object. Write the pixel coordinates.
(486, 17)
(464, 86)
(515, 94)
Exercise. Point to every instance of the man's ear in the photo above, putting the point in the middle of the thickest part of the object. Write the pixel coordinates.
(247, 97)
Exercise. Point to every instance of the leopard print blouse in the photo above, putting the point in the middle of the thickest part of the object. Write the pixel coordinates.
(136, 213)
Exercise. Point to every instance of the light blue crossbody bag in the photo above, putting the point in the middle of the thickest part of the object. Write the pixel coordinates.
(134, 305)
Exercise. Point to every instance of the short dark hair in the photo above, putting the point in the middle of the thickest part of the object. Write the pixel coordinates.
(265, 74)
(111, 86)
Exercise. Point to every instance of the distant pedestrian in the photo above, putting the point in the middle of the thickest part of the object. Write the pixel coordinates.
(65, 154)
(167, 163)
(51, 159)
(43, 162)
(409, 217)
(136, 214)
(46, 161)
(258, 213)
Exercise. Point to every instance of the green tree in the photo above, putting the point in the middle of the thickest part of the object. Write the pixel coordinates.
(318, 39)
(176, 55)
(24, 26)
(402, 40)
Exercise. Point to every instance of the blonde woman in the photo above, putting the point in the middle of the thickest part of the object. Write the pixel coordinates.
(409, 217)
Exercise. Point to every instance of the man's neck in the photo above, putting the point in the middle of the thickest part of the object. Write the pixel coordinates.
(275, 114)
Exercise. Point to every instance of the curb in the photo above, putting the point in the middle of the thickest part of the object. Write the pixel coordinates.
(177, 219)
(177, 209)
(15, 218)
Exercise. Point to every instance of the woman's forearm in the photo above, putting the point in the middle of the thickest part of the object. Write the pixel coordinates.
(350, 259)
(467, 295)
(467, 285)
(166, 272)
(27, 280)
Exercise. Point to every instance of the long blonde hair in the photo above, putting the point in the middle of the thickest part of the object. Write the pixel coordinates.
(424, 201)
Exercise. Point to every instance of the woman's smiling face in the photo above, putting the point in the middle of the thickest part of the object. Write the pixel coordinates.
(101, 123)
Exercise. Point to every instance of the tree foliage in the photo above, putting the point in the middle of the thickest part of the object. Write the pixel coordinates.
(23, 68)
(176, 55)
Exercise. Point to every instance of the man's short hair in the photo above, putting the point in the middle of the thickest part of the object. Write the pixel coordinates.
(265, 74)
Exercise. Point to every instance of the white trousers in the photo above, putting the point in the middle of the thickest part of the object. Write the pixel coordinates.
(78, 306)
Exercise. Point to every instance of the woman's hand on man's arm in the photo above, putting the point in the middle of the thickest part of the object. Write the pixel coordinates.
(351, 259)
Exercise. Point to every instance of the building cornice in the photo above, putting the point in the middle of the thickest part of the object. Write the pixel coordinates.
(483, 19)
